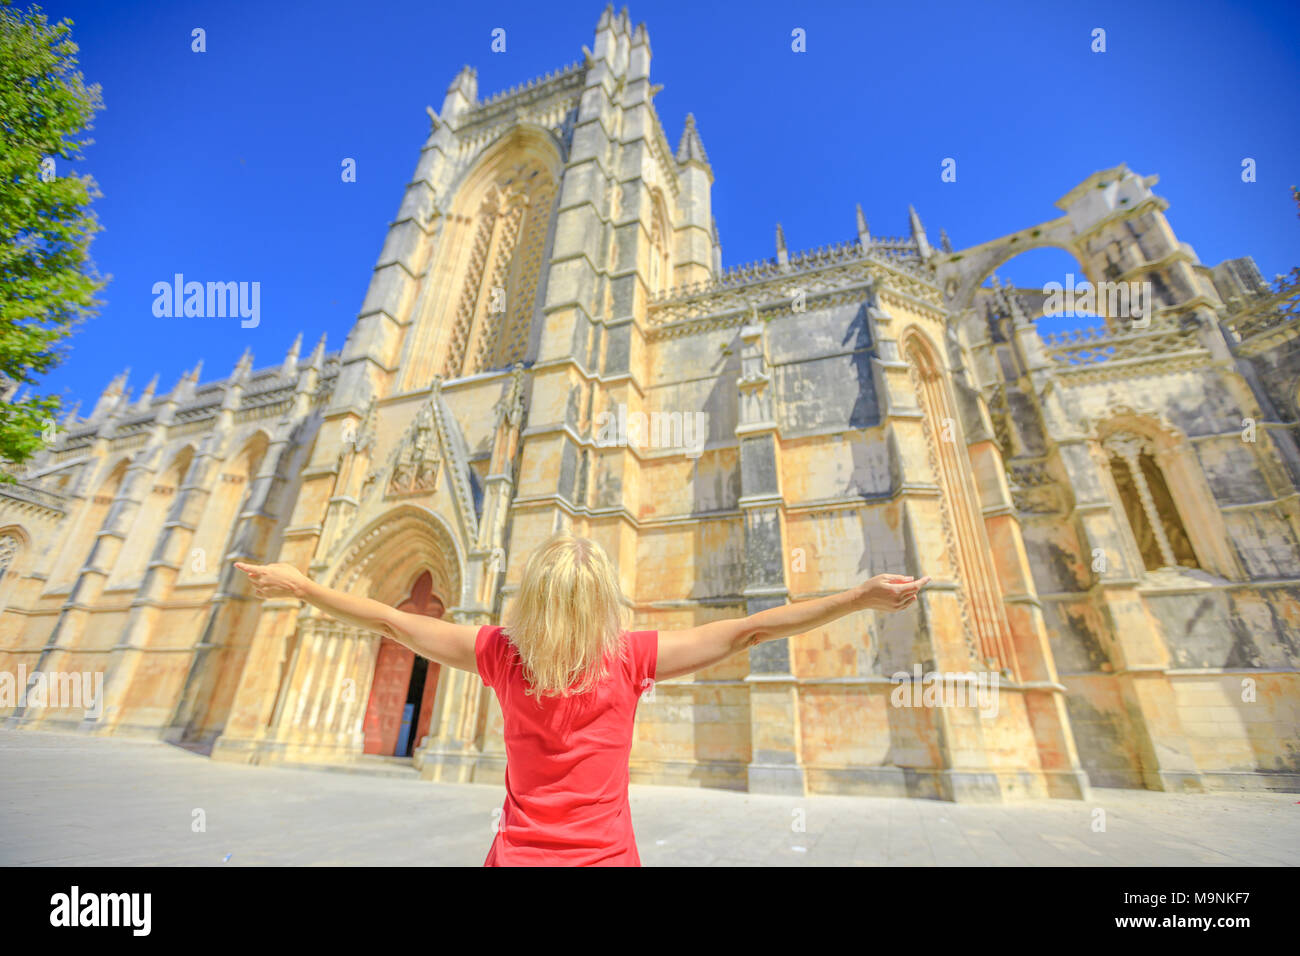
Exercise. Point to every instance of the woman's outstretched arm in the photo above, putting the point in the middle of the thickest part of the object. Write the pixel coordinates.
(441, 641)
(683, 652)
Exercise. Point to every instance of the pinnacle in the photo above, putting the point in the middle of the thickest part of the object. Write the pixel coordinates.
(690, 148)
(318, 353)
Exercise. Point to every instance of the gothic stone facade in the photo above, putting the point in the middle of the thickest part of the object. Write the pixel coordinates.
(1111, 519)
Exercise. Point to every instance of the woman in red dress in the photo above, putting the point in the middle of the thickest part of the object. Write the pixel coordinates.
(568, 674)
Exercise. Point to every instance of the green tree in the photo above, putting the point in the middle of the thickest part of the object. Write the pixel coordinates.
(47, 281)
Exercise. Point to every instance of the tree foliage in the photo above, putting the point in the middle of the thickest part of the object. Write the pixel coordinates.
(47, 280)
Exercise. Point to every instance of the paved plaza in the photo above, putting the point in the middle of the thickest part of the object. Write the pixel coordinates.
(78, 800)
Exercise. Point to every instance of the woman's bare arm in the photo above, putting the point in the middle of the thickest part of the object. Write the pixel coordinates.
(686, 651)
(441, 641)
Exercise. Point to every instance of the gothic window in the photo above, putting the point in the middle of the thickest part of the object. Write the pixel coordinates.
(9, 546)
(157, 495)
(228, 483)
(660, 259)
(498, 290)
(77, 544)
(1157, 527)
(511, 344)
(987, 631)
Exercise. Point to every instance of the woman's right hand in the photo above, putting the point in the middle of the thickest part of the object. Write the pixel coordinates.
(890, 592)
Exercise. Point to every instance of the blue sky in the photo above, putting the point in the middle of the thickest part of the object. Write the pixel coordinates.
(225, 165)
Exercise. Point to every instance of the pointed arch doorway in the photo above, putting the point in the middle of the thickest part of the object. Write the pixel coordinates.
(405, 684)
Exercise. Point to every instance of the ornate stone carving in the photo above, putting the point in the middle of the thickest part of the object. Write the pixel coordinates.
(1163, 340)
(1033, 490)
(414, 467)
(510, 406)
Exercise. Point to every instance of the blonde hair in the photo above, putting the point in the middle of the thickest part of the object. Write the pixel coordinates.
(568, 618)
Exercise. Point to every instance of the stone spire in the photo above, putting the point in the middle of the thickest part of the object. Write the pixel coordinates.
(696, 179)
(111, 395)
(309, 376)
(311, 372)
(944, 242)
(612, 42)
(918, 233)
(782, 254)
(641, 36)
(147, 395)
(184, 387)
(234, 390)
(864, 231)
(461, 95)
(243, 367)
(690, 149)
(290, 367)
(317, 360)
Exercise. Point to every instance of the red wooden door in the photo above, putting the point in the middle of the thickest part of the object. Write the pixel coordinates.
(392, 682)
(388, 696)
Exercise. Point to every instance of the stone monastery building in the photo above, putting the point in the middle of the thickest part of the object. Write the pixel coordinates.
(1111, 518)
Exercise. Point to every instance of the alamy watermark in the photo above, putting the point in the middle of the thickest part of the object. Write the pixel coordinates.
(937, 689)
(75, 908)
(1123, 300)
(54, 689)
(687, 431)
(214, 300)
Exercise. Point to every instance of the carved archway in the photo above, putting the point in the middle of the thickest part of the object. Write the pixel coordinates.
(389, 552)
(325, 693)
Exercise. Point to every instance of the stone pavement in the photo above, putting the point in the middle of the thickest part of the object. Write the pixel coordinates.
(76, 800)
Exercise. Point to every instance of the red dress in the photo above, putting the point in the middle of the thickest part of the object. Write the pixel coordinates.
(566, 759)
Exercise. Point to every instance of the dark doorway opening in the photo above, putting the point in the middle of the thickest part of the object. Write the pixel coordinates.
(414, 697)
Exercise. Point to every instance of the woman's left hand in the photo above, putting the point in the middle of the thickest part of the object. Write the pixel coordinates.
(275, 580)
